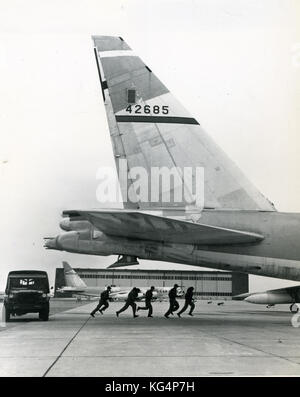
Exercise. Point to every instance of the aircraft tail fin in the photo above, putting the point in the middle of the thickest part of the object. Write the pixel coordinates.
(149, 128)
(72, 279)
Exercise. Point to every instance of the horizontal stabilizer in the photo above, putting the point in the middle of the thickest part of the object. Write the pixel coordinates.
(143, 226)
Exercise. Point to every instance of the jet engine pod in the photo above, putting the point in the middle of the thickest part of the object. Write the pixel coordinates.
(68, 225)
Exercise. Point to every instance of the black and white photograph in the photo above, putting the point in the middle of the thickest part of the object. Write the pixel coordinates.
(149, 191)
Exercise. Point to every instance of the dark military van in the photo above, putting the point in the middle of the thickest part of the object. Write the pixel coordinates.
(27, 291)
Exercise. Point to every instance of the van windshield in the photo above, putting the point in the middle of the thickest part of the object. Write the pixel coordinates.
(35, 283)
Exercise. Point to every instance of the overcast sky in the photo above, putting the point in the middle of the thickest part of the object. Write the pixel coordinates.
(234, 64)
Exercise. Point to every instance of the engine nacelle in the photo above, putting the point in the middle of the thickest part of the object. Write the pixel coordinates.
(69, 225)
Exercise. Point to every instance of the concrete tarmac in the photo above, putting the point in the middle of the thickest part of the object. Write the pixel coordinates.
(234, 339)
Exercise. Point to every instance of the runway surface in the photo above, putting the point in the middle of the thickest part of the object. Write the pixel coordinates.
(234, 339)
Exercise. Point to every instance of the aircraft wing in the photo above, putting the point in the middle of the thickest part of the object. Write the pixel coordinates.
(143, 226)
(273, 296)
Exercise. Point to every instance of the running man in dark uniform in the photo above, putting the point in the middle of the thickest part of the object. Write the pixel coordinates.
(174, 305)
(102, 302)
(132, 296)
(188, 301)
(148, 298)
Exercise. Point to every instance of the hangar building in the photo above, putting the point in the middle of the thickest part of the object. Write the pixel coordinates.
(207, 284)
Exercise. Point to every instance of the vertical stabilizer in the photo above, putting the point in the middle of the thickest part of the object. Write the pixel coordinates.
(71, 277)
(150, 128)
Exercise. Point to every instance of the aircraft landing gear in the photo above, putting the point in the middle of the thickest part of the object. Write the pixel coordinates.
(124, 260)
(294, 308)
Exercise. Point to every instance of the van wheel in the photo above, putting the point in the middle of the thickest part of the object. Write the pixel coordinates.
(294, 308)
(44, 315)
(7, 315)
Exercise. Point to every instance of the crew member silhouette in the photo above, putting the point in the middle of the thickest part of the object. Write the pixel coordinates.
(174, 305)
(102, 302)
(132, 296)
(188, 301)
(148, 305)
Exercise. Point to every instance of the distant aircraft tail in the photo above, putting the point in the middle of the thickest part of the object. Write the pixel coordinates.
(71, 277)
(150, 128)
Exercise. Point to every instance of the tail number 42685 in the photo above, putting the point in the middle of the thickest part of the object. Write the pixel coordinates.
(147, 109)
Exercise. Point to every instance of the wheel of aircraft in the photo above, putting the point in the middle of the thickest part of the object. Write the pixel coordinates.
(294, 308)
